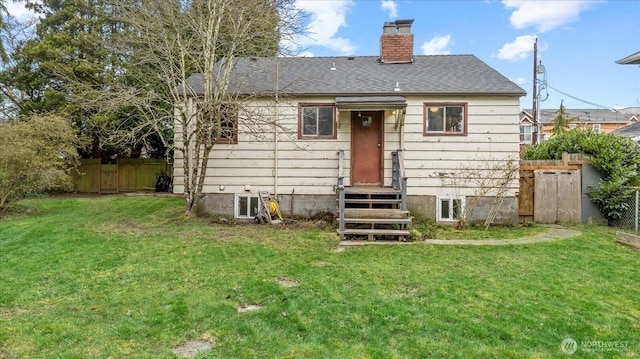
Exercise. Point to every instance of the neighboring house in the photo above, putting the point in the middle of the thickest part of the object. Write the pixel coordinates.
(632, 131)
(596, 120)
(355, 127)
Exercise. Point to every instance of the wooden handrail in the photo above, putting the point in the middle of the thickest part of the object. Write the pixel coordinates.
(401, 165)
(341, 191)
(400, 182)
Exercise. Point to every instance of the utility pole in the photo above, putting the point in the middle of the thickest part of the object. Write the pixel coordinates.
(534, 135)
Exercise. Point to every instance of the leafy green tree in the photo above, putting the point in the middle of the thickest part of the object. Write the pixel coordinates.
(617, 158)
(561, 121)
(70, 47)
(37, 154)
(67, 44)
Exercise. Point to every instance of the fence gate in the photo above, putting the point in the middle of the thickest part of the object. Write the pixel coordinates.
(557, 196)
(109, 179)
(525, 197)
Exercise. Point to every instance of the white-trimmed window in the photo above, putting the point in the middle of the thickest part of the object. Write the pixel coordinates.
(596, 128)
(525, 133)
(246, 205)
(572, 126)
(450, 208)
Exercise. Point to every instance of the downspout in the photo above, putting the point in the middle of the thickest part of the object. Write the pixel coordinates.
(275, 131)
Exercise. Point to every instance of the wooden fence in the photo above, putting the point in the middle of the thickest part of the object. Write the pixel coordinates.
(127, 175)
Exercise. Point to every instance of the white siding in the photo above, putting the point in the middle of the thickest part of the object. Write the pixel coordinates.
(433, 162)
(311, 166)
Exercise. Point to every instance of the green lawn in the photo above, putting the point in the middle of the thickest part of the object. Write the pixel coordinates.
(130, 277)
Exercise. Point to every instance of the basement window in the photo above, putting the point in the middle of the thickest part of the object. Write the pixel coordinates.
(450, 208)
(246, 206)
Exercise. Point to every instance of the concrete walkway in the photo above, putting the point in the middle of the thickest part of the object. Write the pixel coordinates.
(553, 233)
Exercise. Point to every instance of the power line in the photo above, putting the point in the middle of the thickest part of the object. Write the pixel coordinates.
(579, 99)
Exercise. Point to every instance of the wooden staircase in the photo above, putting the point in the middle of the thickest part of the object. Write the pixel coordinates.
(372, 212)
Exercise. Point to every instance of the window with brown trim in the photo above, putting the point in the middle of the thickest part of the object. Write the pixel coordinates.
(227, 131)
(316, 121)
(224, 121)
(445, 119)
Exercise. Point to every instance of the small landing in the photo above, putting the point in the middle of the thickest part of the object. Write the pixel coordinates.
(370, 190)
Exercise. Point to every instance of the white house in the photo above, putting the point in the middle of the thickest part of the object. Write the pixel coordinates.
(357, 129)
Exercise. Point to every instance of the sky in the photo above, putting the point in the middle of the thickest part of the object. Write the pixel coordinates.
(579, 41)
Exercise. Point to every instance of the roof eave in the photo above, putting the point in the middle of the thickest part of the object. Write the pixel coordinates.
(633, 59)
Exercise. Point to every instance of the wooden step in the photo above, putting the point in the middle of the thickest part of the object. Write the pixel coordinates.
(373, 200)
(381, 232)
(381, 213)
(372, 233)
(378, 220)
(371, 190)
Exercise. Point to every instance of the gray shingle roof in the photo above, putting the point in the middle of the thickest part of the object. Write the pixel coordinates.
(632, 130)
(592, 115)
(364, 75)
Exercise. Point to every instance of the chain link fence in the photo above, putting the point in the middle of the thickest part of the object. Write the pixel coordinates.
(631, 218)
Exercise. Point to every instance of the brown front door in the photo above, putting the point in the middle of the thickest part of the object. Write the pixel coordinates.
(366, 148)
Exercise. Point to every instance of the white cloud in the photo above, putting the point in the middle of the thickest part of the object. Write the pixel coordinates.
(18, 10)
(390, 6)
(518, 49)
(520, 81)
(544, 15)
(325, 19)
(439, 45)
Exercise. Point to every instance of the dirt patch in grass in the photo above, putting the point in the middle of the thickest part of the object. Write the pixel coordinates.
(6, 354)
(17, 210)
(191, 348)
(321, 220)
(288, 283)
(248, 308)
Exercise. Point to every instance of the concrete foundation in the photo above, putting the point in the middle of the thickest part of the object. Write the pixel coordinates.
(507, 215)
(308, 206)
(304, 206)
(424, 208)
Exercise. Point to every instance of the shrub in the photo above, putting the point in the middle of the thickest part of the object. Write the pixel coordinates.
(36, 155)
(616, 157)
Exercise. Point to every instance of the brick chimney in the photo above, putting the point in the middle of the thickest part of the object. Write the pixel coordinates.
(396, 42)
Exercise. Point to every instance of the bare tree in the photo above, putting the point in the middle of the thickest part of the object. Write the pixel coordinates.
(178, 62)
(484, 178)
